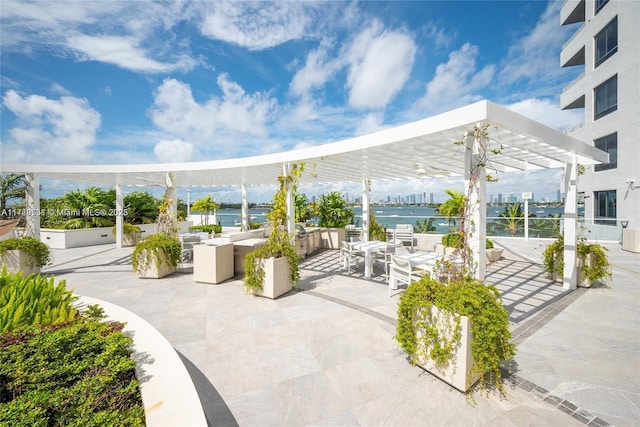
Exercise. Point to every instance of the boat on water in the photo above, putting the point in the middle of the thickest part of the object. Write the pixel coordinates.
(443, 223)
(540, 211)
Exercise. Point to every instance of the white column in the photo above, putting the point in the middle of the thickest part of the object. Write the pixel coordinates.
(119, 215)
(172, 194)
(475, 223)
(188, 203)
(570, 279)
(526, 220)
(245, 208)
(291, 209)
(366, 188)
(32, 203)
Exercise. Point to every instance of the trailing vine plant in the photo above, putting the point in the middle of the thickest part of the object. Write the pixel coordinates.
(280, 242)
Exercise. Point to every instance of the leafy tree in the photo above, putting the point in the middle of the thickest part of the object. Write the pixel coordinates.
(205, 205)
(332, 210)
(453, 207)
(12, 186)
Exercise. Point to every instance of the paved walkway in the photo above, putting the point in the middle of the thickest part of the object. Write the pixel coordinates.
(326, 355)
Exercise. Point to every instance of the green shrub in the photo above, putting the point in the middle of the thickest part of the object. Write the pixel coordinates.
(33, 300)
(211, 229)
(157, 248)
(452, 240)
(32, 246)
(78, 373)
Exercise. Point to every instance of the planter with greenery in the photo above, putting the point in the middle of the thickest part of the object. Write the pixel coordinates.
(211, 229)
(593, 264)
(130, 234)
(455, 326)
(272, 269)
(333, 215)
(451, 241)
(156, 256)
(25, 254)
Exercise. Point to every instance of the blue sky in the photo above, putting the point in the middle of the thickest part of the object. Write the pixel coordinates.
(86, 82)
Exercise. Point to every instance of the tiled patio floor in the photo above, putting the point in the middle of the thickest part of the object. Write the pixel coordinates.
(325, 355)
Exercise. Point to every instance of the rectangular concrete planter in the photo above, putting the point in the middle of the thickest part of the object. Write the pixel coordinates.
(332, 237)
(155, 268)
(277, 278)
(494, 254)
(17, 260)
(457, 371)
(241, 248)
(212, 263)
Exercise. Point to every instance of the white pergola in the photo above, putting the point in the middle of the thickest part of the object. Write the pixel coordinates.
(425, 148)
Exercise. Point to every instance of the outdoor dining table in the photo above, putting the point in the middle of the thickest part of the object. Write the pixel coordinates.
(427, 260)
(369, 248)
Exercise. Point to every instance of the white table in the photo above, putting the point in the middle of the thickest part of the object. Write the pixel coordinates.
(369, 248)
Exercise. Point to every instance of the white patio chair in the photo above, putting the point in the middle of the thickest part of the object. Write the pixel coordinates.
(400, 271)
(349, 255)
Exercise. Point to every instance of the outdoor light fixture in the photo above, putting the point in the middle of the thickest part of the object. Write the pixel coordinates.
(624, 224)
(631, 181)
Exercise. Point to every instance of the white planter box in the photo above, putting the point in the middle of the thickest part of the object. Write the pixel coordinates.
(332, 237)
(277, 278)
(155, 268)
(457, 371)
(241, 249)
(494, 254)
(212, 263)
(17, 260)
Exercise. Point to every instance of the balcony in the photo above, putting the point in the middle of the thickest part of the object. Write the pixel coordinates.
(573, 11)
(573, 95)
(569, 60)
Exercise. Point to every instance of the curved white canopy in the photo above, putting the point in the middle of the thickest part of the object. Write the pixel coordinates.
(422, 148)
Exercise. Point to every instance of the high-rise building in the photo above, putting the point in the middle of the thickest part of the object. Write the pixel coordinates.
(606, 45)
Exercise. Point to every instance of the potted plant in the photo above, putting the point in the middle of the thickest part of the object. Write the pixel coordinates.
(333, 214)
(271, 270)
(26, 254)
(454, 325)
(130, 234)
(593, 264)
(158, 255)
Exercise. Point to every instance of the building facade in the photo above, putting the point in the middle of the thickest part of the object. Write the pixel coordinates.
(606, 45)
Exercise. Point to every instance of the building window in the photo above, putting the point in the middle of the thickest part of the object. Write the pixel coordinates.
(606, 97)
(605, 206)
(609, 144)
(607, 42)
(600, 4)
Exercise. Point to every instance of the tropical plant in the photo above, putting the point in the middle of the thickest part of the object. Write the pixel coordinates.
(333, 211)
(594, 269)
(279, 243)
(453, 207)
(38, 251)
(141, 207)
(425, 226)
(205, 206)
(167, 222)
(211, 229)
(376, 230)
(303, 210)
(33, 300)
(513, 218)
(12, 186)
(90, 208)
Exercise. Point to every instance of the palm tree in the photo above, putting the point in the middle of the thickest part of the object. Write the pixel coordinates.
(90, 208)
(303, 211)
(513, 218)
(205, 205)
(12, 186)
(454, 206)
(425, 226)
(141, 207)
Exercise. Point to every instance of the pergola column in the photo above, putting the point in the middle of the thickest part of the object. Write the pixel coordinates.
(32, 204)
(245, 208)
(366, 189)
(476, 214)
(570, 279)
(172, 193)
(119, 215)
(291, 209)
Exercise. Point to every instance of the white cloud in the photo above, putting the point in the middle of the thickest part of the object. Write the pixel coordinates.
(456, 82)
(255, 25)
(175, 151)
(50, 131)
(380, 63)
(318, 69)
(535, 56)
(219, 120)
(547, 112)
(123, 52)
